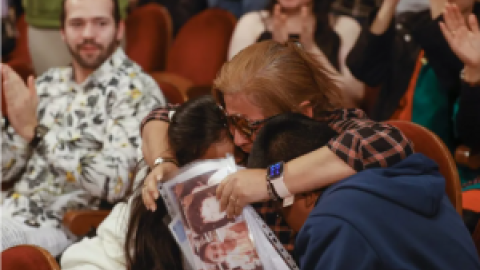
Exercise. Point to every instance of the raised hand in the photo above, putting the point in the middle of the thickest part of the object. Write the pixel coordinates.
(279, 25)
(307, 35)
(22, 102)
(436, 7)
(463, 38)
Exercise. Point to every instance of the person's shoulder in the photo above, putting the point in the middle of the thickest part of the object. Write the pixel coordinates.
(131, 74)
(346, 25)
(253, 18)
(338, 195)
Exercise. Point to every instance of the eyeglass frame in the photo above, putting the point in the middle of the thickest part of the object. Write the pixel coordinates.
(252, 125)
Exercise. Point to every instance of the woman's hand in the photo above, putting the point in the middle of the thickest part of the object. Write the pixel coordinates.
(307, 34)
(384, 17)
(242, 188)
(279, 25)
(463, 39)
(150, 191)
(436, 7)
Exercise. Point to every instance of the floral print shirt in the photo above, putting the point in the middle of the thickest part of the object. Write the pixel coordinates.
(90, 150)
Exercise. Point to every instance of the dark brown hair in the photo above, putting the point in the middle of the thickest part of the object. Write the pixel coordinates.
(278, 78)
(194, 126)
(149, 244)
(274, 140)
(115, 13)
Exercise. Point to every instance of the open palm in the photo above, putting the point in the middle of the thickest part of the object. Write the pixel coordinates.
(463, 39)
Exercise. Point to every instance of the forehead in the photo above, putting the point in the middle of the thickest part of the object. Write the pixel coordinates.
(88, 9)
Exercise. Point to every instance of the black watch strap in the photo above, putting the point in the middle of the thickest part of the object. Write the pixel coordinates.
(38, 135)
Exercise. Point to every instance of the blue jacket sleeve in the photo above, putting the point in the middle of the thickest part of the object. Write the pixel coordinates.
(329, 243)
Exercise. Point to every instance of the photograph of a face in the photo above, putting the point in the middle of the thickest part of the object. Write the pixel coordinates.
(215, 242)
(202, 211)
(229, 247)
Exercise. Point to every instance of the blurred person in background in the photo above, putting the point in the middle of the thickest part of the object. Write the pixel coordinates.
(9, 33)
(71, 135)
(463, 37)
(327, 36)
(45, 43)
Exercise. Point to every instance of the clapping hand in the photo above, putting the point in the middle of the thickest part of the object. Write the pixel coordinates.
(463, 36)
(307, 34)
(463, 39)
(22, 102)
(279, 25)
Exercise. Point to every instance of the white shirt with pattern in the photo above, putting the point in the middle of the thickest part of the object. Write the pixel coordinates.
(90, 150)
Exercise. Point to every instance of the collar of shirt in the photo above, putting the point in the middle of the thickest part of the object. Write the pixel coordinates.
(342, 114)
(116, 61)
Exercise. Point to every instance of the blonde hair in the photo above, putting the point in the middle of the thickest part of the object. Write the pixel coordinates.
(278, 78)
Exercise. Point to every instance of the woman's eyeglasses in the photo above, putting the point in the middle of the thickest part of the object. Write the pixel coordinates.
(245, 126)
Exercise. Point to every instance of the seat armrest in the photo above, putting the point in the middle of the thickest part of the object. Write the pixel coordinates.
(199, 90)
(181, 83)
(28, 257)
(170, 91)
(465, 157)
(80, 222)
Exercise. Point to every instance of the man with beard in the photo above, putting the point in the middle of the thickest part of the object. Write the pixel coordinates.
(71, 136)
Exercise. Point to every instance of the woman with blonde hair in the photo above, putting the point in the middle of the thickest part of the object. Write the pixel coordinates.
(266, 79)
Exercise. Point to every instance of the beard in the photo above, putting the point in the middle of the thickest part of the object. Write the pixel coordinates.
(95, 61)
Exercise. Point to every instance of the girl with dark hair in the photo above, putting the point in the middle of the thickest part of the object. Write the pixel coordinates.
(329, 37)
(197, 131)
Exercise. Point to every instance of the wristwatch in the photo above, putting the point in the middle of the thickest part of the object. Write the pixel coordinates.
(39, 133)
(161, 160)
(275, 179)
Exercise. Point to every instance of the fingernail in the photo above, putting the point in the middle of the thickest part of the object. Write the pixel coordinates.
(155, 196)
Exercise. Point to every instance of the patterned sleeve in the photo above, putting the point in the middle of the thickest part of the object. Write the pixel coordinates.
(101, 159)
(371, 145)
(161, 113)
(15, 153)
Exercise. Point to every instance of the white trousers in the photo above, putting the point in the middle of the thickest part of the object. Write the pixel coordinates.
(15, 232)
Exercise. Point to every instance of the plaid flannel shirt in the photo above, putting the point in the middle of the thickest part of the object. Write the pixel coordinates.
(361, 143)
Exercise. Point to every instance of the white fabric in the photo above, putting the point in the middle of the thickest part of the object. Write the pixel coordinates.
(105, 251)
(15, 232)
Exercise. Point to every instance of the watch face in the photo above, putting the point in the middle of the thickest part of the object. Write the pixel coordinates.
(275, 170)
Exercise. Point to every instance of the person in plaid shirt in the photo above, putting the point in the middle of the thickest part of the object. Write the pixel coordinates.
(264, 80)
